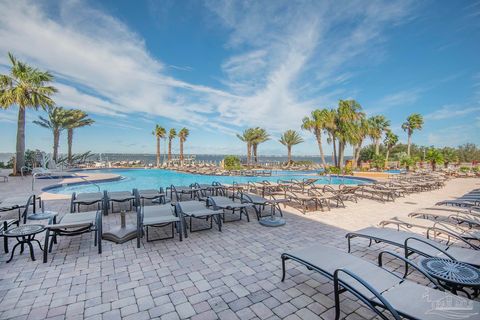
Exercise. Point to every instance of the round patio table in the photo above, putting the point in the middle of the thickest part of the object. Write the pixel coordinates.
(25, 235)
(453, 275)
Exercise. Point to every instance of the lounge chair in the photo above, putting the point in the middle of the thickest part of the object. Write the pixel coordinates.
(73, 224)
(19, 201)
(305, 200)
(7, 219)
(156, 217)
(197, 210)
(177, 193)
(150, 194)
(259, 203)
(415, 243)
(5, 178)
(345, 193)
(119, 197)
(471, 218)
(384, 292)
(225, 203)
(407, 223)
(376, 194)
(86, 199)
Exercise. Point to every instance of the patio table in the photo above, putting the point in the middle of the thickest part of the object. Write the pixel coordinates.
(453, 275)
(25, 234)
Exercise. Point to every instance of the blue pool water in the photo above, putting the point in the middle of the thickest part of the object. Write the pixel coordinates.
(155, 178)
(394, 171)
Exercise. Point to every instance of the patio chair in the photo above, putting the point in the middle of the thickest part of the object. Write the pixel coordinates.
(197, 210)
(150, 194)
(381, 290)
(118, 197)
(7, 219)
(407, 223)
(304, 200)
(19, 201)
(156, 217)
(376, 194)
(74, 224)
(415, 243)
(259, 203)
(4, 177)
(470, 217)
(86, 199)
(225, 203)
(346, 193)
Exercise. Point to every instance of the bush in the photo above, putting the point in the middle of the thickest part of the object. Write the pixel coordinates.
(476, 169)
(332, 170)
(232, 163)
(378, 161)
(464, 169)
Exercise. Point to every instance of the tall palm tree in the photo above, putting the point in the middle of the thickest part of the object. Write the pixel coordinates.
(260, 135)
(361, 132)
(378, 125)
(57, 121)
(159, 132)
(25, 87)
(330, 128)
(247, 136)
(76, 119)
(182, 135)
(348, 113)
(391, 139)
(171, 135)
(290, 138)
(414, 122)
(316, 123)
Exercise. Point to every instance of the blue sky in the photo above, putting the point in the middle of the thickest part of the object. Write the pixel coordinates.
(218, 67)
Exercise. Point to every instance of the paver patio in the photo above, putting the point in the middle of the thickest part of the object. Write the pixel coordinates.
(234, 274)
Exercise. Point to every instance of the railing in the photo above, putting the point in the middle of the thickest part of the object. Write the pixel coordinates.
(50, 176)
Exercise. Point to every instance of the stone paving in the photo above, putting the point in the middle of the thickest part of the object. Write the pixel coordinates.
(233, 274)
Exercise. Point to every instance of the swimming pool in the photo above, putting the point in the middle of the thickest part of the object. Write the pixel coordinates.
(155, 178)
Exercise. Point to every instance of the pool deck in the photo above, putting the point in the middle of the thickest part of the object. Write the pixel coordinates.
(233, 274)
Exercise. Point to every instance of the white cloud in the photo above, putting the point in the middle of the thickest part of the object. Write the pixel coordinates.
(283, 55)
(451, 112)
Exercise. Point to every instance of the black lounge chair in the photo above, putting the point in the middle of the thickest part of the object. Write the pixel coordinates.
(157, 216)
(415, 243)
(225, 203)
(198, 210)
(384, 292)
(74, 224)
(86, 199)
(259, 203)
(153, 195)
(119, 197)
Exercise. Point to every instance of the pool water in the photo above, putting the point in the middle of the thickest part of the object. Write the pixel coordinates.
(155, 178)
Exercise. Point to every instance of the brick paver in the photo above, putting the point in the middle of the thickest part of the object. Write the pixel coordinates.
(234, 274)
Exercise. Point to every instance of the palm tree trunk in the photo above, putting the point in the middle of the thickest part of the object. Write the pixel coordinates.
(377, 146)
(158, 151)
(354, 157)
(20, 156)
(289, 148)
(341, 150)
(334, 142)
(169, 150)
(386, 157)
(56, 139)
(318, 135)
(181, 152)
(70, 143)
(249, 153)
(255, 153)
(408, 143)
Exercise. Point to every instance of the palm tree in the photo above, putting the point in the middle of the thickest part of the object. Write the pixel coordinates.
(171, 135)
(159, 132)
(414, 122)
(247, 136)
(449, 155)
(391, 139)
(434, 156)
(182, 135)
(25, 87)
(361, 132)
(316, 123)
(378, 125)
(349, 112)
(290, 138)
(330, 128)
(260, 135)
(76, 119)
(57, 121)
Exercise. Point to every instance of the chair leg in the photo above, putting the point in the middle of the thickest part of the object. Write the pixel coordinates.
(5, 244)
(45, 246)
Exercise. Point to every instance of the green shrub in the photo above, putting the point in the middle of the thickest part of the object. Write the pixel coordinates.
(464, 169)
(232, 163)
(378, 161)
(476, 169)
